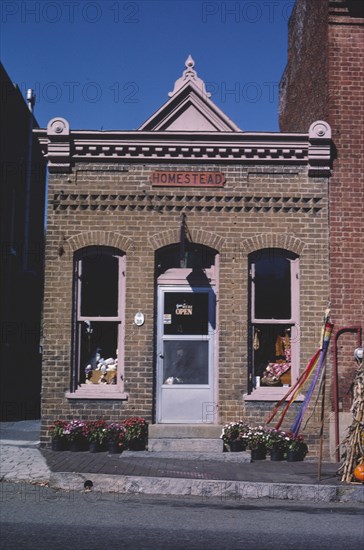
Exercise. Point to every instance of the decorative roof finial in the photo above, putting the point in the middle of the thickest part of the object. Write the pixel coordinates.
(189, 74)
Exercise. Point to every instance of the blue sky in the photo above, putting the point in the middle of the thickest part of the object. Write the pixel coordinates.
(110, 64)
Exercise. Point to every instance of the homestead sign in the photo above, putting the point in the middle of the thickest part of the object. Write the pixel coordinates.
(187, 179)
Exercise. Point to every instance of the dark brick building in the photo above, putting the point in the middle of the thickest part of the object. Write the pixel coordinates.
(177, 256)
(22, 189)
(324, 79)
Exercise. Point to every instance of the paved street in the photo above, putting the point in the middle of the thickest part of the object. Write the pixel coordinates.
(40, 518)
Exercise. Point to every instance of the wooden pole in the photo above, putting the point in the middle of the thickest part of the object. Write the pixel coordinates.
(325, 320)
(322, 423)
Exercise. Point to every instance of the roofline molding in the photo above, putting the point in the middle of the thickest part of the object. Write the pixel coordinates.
(63, 148)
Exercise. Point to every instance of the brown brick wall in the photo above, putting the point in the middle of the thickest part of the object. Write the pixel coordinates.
(270, 206)
(341, 41)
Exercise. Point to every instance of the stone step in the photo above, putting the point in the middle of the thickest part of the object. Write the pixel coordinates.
(195, 438)
(192, 445)
(190, 431)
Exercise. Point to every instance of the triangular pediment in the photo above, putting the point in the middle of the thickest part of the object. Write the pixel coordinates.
(190, 108)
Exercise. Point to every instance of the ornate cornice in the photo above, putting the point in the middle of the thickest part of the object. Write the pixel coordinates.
(63, 147)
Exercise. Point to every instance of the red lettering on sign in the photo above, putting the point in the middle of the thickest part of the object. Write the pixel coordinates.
(187, 179)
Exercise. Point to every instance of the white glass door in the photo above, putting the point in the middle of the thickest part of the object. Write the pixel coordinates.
(185, 354)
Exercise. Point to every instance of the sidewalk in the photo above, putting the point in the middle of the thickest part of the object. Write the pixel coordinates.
(225, 475)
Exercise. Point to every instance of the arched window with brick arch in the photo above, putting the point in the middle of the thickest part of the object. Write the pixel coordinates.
(273, 319)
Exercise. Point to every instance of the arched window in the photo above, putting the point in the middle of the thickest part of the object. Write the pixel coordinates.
(99, 280)
(188, 256)
(273, 318)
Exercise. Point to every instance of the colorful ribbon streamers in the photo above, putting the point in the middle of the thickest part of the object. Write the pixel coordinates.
(320, 366)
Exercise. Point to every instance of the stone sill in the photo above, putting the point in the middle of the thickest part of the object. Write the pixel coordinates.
(88, 391)
(270, 394)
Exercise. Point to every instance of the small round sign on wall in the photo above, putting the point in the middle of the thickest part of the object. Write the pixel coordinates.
(139, 319)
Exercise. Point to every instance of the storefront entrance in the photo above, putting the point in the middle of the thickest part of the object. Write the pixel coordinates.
(185, 353)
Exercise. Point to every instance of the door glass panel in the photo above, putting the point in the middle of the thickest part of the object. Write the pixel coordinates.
(185, 362)
(185, 313)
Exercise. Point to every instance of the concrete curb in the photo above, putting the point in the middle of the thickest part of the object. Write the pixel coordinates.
(229, 490)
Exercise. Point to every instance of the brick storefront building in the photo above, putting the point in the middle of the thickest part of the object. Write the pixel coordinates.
(326, 45)
(181, 253)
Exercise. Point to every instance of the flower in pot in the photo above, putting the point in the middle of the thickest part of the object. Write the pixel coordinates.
(57, 433)
(277, 443)
(256, 439)
(297, 448)
(96, 434)
(136, 432)
(115, 437)
(76, 433)
(233, 435)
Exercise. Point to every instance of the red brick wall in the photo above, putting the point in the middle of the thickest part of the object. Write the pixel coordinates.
(346, 108)
(326, 80)
(303, 87)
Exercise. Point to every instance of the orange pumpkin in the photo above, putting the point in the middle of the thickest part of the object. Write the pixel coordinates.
(359, 472)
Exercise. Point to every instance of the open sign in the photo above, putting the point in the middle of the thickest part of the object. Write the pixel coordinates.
(183, 309)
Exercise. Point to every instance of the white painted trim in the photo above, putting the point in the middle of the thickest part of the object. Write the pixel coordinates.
(211, 337)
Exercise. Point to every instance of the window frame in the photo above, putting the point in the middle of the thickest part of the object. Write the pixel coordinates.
(98, 391)
(272, 393)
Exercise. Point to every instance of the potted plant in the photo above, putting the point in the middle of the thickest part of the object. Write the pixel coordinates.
(297, 448)
(277, 443)
(76, 433)
(96, 435)
(115, 437)
(256, 438)
(136, 433)
(57, 433)
(233, 436)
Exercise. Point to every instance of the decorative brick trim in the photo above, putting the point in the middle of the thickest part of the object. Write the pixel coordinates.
(99, 238)
(199, 236)
(221, 202)
(273, 240)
